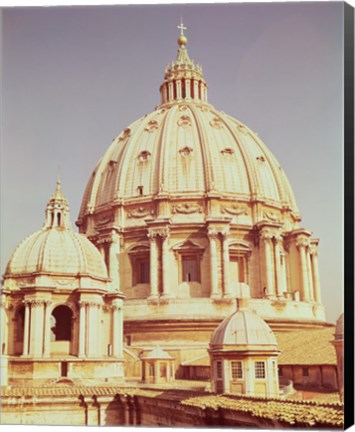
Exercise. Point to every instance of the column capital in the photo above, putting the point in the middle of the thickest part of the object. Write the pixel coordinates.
(116, 307)
(152, 235)
(302, 242)
(212, 233)
(313, 250)
(266, 235)
(90, 303)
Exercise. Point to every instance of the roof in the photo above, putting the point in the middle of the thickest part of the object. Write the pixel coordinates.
(243, 328)
(307, 347)
(187, 146)
(157, 354)
(199, 361)
(56, 249)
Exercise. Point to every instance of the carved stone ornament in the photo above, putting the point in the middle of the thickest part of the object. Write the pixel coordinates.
(186, 208)
(186, 151)
(302, 242)
(25, 282)
(182, 108)
(184, 121)
(144, 156)
(140, 212)
(216, 123)
(203, 108)
(104, 220)
(151, 126)
(125, 134)
(212, 233)
(272, 216)
(227, 151)
(235, 209)
(266, 235)
(62, 282)
(260, 159)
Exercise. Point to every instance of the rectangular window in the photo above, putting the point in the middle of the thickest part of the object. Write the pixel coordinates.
(260, 369)
(280, 371)
(237, 370)
(143, 271)
(189, 269)
(305, 372)
(219, 369)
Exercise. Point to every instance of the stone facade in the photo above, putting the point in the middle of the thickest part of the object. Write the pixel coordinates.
(61, 318)
(190, 210)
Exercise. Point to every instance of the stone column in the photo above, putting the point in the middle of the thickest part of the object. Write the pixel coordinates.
(36, 327)
(92, 328)
(47, 329)
(247, 265)
(187, 89)
(225, 254)
(302, 244)
(26, 332)
(309, 274)
(171, 91)
(196, 90)
(153, 265)
(165, 263)
(284, 271)
(3, 315)
(278, 270)
(114, 262)
(117, 333)
(315, 272)
(82, 329)
(267, 238)
(178, 89)
(212, 235)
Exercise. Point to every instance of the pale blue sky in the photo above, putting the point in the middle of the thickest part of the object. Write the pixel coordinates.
(74, 77)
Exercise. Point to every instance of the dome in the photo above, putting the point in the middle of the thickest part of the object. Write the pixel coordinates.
(56, 248)
(187, 148)
(243, 328)
(339, 327)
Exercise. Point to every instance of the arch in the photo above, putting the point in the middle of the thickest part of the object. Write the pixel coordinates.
(61, 323)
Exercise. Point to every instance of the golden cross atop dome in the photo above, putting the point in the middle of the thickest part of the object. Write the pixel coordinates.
(182, 41)
(182, 28)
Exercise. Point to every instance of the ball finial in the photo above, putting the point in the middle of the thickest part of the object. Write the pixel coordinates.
(182, 41)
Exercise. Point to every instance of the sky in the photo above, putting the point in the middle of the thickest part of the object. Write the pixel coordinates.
(75, 77)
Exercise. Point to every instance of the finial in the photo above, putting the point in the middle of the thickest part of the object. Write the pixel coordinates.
(182, 41)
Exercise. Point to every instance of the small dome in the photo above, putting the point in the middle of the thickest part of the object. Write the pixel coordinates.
(56, 248)
(157, 354)
(339, 327)
(56, 251)
(243, 328)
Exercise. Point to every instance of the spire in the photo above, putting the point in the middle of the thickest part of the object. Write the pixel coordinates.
(183, 79)
(57, 211)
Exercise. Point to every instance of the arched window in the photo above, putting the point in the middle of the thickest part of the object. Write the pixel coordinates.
(61, 323)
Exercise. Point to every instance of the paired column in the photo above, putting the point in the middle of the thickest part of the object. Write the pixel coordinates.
(267, 241)
(153, 264)
(89, 340)
(82, 329)
(225, 255)
(114, 262)
(280, 288)
(153, 234)
(309, 273)
(212, 235)
(165, 262)
(302, 243)
(315, 273)
(36, 328)
(4, 326)
(117, 333)
(47, 329)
